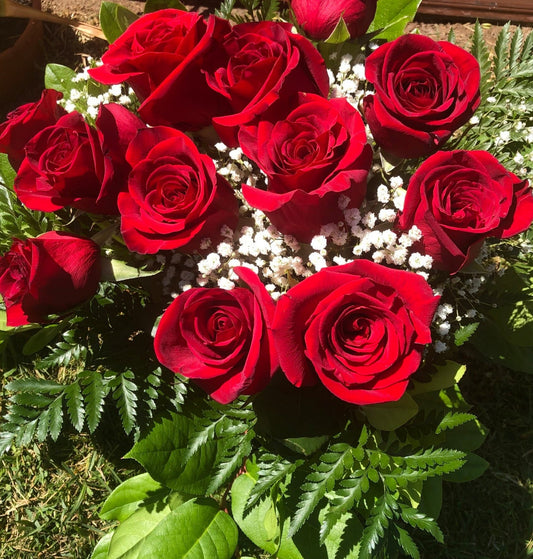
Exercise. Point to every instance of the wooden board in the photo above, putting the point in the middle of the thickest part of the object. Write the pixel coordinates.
(517, 11)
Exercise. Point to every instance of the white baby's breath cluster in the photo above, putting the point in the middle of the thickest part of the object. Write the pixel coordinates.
(86, 95)
(349, 80)
(280, 260)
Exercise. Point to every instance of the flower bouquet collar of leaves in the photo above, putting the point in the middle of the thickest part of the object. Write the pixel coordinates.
(265, 245)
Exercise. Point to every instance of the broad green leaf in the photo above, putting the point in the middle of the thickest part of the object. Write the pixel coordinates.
(7, 173)
(393, 16)
(115, 19)
(59, 77)
(129, 495)
(41, 339)
(391, 415)
(445, 376)
(162, 453)
(431, 500)
(306, 445)
(116, 270)
(467, 437)
(339, 34)
(154, 5)
(196, 529)
(101, 551)
(473, 468)
(259, 525)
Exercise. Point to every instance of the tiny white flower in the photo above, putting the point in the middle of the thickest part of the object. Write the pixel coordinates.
(348, 86)
(399, 199)
(443, 328)
(225, 231)
(331, 77)
(343, 201)
(205, 243)
(440, 347)
(235, 154)
(383, 194)
(339, 238)
(340, 260)
(225, 283)
(318, 261)
(92, 111)
(124, 100)
(70, 106)
(185, 286)
(491, 99)
(416, 261)
(387, 215)
(75, 94)
(319, 242)
(221, 146)
(518, 158)
(414, 233)
(369, 220)
(396, 182)
(359, 71)
(115, 90)
(474, 120)
(225, 249)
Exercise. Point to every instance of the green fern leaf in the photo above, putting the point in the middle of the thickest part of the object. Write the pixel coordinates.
(464, 333)
(225, 9)
(34, 386)
(272, 470)
(501, 56)
(346, 498)
(454, 419)
(515, 50)
(231, 460)
(56, 417)
(407, 544)
(63, 354)
(75, 407)
(330, 468)
(125, 395)
(376, 524)
(481, 52)
(269, 8)
(527, 50)
(95, 389)
(205, 429)
(444, 457)
(416, 519)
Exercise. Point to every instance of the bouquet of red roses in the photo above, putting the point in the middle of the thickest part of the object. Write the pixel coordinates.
(308, 231)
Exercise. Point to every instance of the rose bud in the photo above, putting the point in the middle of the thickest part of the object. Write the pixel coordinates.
(318, 18)
(46, 275)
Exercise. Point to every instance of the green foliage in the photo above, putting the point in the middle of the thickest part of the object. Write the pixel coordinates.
(154, 5)
(506, 111)
(17, 221)
(392, 17)
(114, 20)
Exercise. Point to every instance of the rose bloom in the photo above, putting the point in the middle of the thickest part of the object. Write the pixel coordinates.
(425, 90)
(72, 164)
(46, 275)
(359, 329)
(163, 56)
(25, 121)
(318, 18)
(220, 338)
(267, 66)
(314, 155)
(175, 198)
(459, 198)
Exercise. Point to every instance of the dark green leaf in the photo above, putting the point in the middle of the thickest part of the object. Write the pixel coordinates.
(60, 78)
(154, 5)
(115, 19)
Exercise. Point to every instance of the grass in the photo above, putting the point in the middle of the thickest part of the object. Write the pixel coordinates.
(51, 495)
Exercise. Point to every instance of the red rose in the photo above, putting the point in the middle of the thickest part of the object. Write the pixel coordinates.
(220, 339)
(72, 164)
(163, 55)
(175, 198)
(318, 18)
(47, 275)
(359, 329)
(459, 198)
(267, 66)
(312, 157)
(23, 123)
(424, 91)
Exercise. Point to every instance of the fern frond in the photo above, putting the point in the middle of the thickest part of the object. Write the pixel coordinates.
(481, 52)
(346, 497)
(376, 524)
(225, 9)
(95, 389)
(330, 468)
(454, 419)
(272, 470)
(75, 406)
(416, 519)
(407, 544)
(501, 55)
(515, 50)
(125, 395)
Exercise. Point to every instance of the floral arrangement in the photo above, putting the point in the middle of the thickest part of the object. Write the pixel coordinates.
(264, 254)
